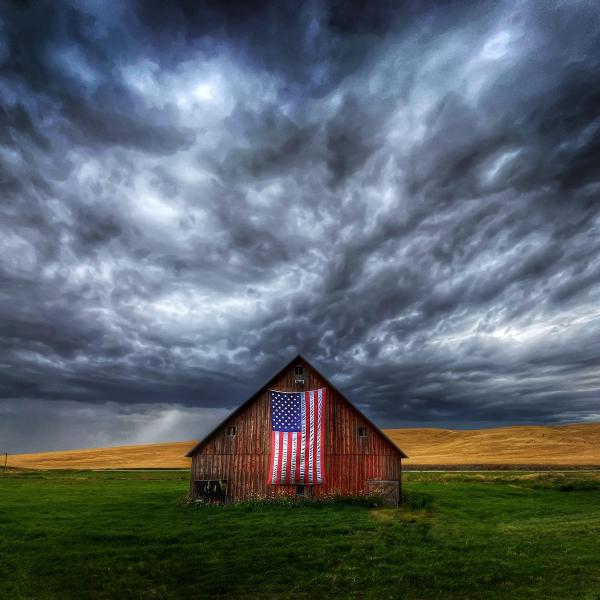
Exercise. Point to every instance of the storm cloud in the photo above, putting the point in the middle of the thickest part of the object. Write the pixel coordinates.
(192, 193)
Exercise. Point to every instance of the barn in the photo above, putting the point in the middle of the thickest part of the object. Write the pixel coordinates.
(343, 452)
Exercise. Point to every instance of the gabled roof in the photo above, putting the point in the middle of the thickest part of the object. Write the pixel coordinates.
(266, 386)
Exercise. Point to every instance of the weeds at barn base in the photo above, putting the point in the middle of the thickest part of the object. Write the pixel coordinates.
(286, 502)
(410, 500)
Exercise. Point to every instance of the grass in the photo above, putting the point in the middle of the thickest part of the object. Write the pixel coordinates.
(123, 535)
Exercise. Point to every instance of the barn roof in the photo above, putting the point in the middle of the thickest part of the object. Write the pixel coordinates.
(266, 386)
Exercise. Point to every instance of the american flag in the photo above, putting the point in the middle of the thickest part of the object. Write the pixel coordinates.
(297, 437)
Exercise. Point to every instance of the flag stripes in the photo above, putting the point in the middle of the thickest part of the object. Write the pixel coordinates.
(311, 427)
(303, 442)
(297, 456)
(319, 430)
(275, 454)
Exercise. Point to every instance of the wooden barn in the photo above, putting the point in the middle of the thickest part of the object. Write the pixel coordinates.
(344, 452)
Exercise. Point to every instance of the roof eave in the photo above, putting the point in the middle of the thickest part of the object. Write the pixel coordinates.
(207, 437)
(298, 356)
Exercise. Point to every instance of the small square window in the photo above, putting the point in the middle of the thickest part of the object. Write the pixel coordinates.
(231, 431)
(299, 371)
(362, 432)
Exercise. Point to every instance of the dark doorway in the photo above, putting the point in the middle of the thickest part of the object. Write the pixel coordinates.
(299, 490)
(212, 491)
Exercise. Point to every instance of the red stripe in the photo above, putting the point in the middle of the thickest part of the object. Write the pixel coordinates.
(307, 434)
(323, 413)
(283, 456)
(316, 419)
(289, 463)
(297, 467)
(270, 475)
(277, 461)
(290, 474)
(280, 462)
(276, 433)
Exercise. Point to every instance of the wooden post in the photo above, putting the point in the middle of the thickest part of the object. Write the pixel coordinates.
(5, 460)
(400, 482)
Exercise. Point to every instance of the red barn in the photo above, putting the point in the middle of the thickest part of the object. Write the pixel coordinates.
(234, 461)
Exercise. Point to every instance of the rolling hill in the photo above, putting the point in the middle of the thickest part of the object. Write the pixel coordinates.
(577, 444)
(568, 445)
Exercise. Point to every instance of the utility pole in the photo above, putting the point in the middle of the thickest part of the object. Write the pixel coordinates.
(5, 460)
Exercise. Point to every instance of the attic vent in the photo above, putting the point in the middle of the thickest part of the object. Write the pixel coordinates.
(299, 374)
(231, 431)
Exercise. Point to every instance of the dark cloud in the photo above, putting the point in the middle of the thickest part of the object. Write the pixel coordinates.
(193, 192)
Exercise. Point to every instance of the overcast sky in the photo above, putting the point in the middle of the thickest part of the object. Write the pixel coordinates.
(406, 193)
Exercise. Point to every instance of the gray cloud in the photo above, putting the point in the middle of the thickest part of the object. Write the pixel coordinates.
(38, 425)
(190, 195)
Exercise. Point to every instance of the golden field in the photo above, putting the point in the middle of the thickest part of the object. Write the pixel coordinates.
(573, 445)
(568, 445)
(146, 456)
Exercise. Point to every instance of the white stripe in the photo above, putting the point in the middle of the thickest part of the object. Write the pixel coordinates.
(303, 439)
(293, 463)
(311, 443)
(275, 457)
(284, 456)
(319, 411)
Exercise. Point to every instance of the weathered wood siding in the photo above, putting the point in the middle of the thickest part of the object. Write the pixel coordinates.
(243, 459)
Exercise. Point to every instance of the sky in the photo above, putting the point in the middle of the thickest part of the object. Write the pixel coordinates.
(193, 192)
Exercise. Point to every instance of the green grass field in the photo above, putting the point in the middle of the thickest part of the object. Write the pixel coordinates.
(123, 535)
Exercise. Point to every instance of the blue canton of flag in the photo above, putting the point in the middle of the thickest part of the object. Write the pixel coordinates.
(286, 411)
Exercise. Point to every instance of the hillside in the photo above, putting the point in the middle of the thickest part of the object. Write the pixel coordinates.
(520, 445)
(577, 444)
(147, 456)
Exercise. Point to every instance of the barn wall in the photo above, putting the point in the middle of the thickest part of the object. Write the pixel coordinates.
(243, 459)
